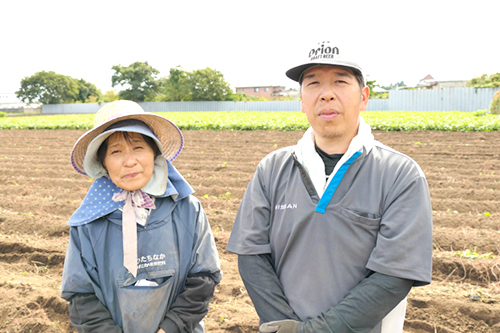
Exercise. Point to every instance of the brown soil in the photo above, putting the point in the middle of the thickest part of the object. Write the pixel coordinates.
(40, 190)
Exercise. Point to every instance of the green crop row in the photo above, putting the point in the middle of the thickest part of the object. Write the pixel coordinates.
(282, 121)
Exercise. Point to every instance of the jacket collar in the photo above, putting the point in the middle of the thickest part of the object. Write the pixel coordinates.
(98, 201)
(306, 154)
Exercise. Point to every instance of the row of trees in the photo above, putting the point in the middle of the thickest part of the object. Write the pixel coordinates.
(52, 88)
(139, 82)
(485, 81)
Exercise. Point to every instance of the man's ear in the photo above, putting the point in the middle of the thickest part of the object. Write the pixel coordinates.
(365, 96)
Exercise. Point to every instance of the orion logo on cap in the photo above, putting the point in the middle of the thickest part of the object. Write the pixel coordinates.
(323, 52)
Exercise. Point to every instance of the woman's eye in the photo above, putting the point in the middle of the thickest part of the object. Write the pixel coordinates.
(114, 152)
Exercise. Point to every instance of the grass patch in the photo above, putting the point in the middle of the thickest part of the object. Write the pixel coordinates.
(281, 121)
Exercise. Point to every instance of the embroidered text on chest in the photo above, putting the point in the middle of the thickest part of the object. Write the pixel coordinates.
(285, 206)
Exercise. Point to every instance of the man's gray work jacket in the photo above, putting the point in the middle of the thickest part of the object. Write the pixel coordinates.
(375, 215)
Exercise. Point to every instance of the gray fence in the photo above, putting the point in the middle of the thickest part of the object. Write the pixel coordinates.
(446, 99)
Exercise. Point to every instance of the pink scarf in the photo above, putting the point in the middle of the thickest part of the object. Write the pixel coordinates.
(132, 200)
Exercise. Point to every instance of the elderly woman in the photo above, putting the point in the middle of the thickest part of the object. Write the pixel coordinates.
(141, 256)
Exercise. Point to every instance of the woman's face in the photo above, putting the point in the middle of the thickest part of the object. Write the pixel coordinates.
(130, 163)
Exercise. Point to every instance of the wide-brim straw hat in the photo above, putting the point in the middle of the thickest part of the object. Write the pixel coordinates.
(166, 131)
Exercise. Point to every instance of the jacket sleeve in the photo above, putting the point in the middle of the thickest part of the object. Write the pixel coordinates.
(363, 308)
(80, 286)
(190, 306)
(264, 288)
(192, 303)
(88, 314)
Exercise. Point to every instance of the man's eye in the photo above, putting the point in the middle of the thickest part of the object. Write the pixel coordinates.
(313, 82)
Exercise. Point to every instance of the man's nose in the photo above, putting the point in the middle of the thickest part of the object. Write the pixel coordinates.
(327, 94)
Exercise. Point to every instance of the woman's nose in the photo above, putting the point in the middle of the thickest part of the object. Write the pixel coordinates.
(129, 159)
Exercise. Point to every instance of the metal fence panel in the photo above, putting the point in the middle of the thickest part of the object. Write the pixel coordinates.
(180, 106)
(71, 108)
(378, 105)
(446, 99)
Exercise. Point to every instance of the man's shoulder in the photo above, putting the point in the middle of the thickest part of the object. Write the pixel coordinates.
(396, 160)
(278, 156)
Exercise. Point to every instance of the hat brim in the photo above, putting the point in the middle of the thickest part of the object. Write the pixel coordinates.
(295, 73)
(91, 163)
(168, 134)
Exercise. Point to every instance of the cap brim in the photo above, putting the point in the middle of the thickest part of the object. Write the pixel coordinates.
(296, 72)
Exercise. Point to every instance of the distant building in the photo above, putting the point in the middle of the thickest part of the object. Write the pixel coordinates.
(261, 91)
(10, 103)
(452, 84)
(429, 82)
(294, 94)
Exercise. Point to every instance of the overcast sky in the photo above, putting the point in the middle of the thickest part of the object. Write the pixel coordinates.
(252, 42)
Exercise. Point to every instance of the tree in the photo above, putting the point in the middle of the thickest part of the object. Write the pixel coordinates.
(199, 85)
(173, 87)
(374, 95)
(242, 97)
(88, 92)
(110, 96)
(485, 81)
(207, 85)
(139, 79)
(394, 86)
(48, 88)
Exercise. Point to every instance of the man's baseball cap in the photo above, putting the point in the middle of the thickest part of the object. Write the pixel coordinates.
(324, 53)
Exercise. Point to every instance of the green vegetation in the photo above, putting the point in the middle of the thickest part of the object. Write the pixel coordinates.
(495, 103)
(472, 254)
(53, 88)
(485, 81)
(139, 79)
(282, 121)
(205, 84)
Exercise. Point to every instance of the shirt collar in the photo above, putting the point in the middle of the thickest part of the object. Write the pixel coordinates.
(98, 200)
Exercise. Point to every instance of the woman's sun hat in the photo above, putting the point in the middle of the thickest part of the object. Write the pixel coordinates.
(167, 132)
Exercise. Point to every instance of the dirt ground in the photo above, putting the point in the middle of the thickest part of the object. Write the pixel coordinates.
(39, 191)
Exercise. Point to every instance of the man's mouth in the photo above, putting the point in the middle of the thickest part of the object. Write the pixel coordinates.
(328, 115)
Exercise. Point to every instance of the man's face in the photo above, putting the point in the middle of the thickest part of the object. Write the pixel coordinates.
(332, 101)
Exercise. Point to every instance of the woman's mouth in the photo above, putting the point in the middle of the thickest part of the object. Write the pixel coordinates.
(131, 175)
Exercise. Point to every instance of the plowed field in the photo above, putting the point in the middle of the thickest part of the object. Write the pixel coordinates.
(39, 190)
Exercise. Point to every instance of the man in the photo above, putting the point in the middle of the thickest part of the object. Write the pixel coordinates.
(332, 233)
